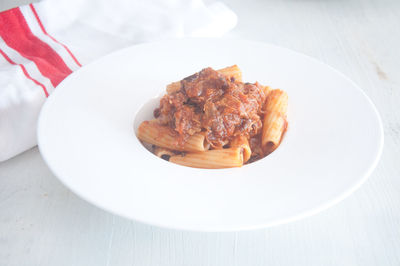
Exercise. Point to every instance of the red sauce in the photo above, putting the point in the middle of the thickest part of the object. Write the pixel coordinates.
(210, 102)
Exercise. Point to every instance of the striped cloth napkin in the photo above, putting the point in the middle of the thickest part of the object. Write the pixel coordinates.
(42, 43)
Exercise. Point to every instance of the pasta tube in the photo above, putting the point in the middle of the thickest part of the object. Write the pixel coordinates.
(156, 134)
(211, 159)
(266, 89)
(242, 142)
(232, 72)
(274, 124)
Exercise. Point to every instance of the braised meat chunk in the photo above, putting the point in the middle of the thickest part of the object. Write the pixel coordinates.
(218, 105)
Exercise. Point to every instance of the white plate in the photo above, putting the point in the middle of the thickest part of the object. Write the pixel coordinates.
(86, 137)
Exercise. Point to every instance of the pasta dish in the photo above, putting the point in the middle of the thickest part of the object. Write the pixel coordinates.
(212, 119)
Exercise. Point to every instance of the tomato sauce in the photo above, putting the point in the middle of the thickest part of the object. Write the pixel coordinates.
(212, 103)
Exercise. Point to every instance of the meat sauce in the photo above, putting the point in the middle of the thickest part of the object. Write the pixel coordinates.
(217, 105)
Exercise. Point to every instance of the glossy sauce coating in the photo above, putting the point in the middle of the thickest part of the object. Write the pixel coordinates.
(210, 102)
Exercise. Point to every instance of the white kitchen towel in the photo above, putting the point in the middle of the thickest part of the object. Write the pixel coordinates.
(42, 43)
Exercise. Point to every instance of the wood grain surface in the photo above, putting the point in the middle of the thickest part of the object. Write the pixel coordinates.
(43, 223)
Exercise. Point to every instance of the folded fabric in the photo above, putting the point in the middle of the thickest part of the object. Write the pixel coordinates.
(42, 43)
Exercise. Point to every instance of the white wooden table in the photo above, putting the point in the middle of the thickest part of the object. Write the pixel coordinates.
(43, 223)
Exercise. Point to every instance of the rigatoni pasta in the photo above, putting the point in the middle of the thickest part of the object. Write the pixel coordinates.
(156, 134)
(243, 143)
(232, 72)
(212, 119)
(274, 124)
(211, 159)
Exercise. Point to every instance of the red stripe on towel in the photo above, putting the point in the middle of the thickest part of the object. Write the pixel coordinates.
(16, 34)
(51, 37)
(25, 72)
